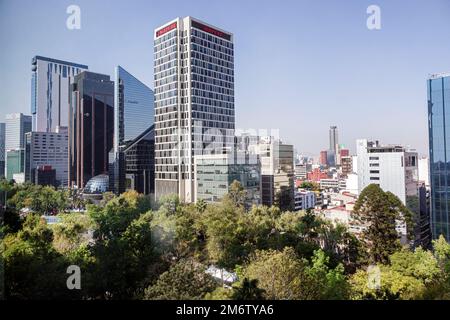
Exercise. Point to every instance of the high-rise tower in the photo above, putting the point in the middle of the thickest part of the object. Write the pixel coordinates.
(194, 100)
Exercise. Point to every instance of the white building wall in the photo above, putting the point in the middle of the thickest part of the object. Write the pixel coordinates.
(49, 148)
(351, 183)
(424, 170)
(355, 163)
(391, 167)
(53, 80)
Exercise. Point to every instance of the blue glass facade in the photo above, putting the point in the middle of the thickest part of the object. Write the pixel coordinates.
(133, 147)
(439, 144)
(134, 111)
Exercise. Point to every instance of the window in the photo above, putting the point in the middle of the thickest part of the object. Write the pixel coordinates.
(374, 171)
(375, 178)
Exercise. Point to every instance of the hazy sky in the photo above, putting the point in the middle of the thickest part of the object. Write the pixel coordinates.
(300, 66)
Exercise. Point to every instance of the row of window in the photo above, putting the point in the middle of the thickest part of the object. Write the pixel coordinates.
(161, 61)
(164, 74)
(165, 49)
(212, 39)
(167, 102)
(168, 36)
(212, 74)
(213, 81)
(212, 68)
(211, 46)
(212, 59)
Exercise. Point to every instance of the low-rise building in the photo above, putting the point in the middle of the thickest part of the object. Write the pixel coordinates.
(44, 149)
(316, 175)
(216, 172)
(304, 199)
(327, 184)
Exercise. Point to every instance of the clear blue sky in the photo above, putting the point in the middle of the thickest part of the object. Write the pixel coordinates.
(300, 66)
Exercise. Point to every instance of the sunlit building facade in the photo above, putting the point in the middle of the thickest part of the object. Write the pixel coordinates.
(439, 139)
(50, 92)
(194, 100)
(133, 118)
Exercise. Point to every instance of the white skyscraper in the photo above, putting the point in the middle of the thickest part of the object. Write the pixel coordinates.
(17, 124)
(194, 100)
(50, 92)
(392, 167)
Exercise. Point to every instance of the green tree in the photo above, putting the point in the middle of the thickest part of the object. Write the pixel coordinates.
(71, 232)
(201, 205)
(247, 290)
(190, 233)
(236, 194)
(43, 200)
(377, 211)
(33, 269)
(186, 280)
(322, 282)
(440, 288)
(309, 185)
(123, 247)
(225, 234)
(5, 189)
(278, 273)
(284, 199)
(407, 276)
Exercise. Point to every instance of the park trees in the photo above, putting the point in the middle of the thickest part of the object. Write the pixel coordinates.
(378, 212)
(185, 280)
(283, 275)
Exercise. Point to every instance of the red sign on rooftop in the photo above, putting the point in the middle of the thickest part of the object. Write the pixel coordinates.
(210, 30)
(166, 29)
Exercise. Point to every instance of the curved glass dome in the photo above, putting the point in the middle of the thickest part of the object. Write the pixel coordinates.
(97, 184)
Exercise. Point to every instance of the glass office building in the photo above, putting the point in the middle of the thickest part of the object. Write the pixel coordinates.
(91, 127)
(15, 160)
(16, 126)
(139, 156)
(439, 144)
(133, 119)
(133, 107)
(215, 173)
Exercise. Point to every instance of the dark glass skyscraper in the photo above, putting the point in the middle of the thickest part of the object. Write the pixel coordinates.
(133, 159)
(439, 144)
(139, 156)
(91, 127)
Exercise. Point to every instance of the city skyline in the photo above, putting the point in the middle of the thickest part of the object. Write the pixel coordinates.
(363, 66)
(225, 151)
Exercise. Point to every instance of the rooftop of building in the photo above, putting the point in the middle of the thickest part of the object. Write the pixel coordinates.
(67, 63)
(439, 75)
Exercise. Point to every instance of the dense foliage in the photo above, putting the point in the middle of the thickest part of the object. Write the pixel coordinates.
(128, 247)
